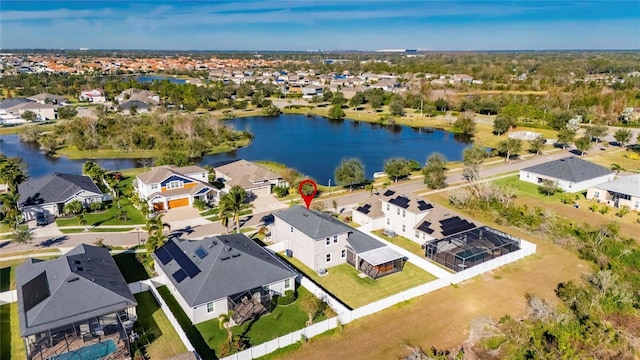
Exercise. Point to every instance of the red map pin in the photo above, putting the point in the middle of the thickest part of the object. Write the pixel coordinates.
(308, 198)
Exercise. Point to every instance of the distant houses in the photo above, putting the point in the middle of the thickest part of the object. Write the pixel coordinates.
(95, 96)
(571, 174)
(254, 179)
(12, 110)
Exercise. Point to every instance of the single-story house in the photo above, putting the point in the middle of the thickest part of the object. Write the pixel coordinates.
(168, 186)
(140, 106)
(49, 194)
(146, 96)
(321, 241)
(624, 191)
(572, 174)
(93, 95)
(12, 109)
(254, 179)
(73, 301)
(46, 98)
(209, 277)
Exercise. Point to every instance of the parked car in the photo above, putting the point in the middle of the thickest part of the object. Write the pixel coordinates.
(41, 219)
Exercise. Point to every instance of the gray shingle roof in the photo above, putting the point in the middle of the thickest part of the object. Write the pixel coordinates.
(570, 168)
(127, 105)
(246, 174)
(54, 188)
(629, 185)
(82, 284)
(11, 102)
(318, 225)
(221, 273)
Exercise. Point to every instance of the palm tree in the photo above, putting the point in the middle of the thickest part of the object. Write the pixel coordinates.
(11, 173)
(155, 229)
(10, 208)
(231, 205)
(82, 219)
(224, 321)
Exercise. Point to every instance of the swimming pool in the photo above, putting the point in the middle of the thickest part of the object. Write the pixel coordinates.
(92, 352)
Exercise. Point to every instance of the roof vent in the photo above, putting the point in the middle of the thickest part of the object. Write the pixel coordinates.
(305, 214)
(235, 255)
(72, 279)
(225, 258)
(213, 243)
(227, 248)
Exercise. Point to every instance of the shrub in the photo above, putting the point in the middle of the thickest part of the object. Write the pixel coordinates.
(593, 207)
(566, 199)
(624, 210)
(289, 297)
(75, 207)
(604, 209)
(96, 206)
(281, 191)
(200, 204)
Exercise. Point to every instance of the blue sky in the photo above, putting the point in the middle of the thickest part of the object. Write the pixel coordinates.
(321, 25)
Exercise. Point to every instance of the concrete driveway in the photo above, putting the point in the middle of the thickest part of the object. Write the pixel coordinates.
(267, 203)
(183, 217)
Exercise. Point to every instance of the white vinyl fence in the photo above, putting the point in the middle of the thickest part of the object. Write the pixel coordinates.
(8, 297)
(345, 315)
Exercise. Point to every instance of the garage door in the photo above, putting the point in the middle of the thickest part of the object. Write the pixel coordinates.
(178, 203)
(158, 206)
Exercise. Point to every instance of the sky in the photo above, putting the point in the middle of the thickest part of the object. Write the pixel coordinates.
(320, 25)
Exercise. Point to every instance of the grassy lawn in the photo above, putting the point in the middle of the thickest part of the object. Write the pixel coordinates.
(18, 253)
(130, 267)
(162, 340)
(11, 344)
(343, 281)
(73, 153)
(615, 157)
(524, 188)
(283, 320)
(403, 242)
(96, 230)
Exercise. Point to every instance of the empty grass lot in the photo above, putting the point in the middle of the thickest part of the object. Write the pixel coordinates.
(283, 320)
(162, 340)
(11, 344)
(343, 282)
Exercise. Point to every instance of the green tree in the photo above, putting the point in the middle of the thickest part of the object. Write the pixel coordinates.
(155, 230)
(338, 99)
(565, 137)
(435, 171)
(23, 236)
(350, 172)
(336, 112)
(67, 112)
(82, 219)
(11, 172)
(622, 136)
(396, 107)
(583, 144)
(509, 147)
(271, 110)
(597, 132)
(442, 104)
(356, 100)
(224, 321)
(472, 160)
(502, 124)
(465, 125)
(29, 115)
(291, 176)
(397, 168)
(548, 187)
(537, 144)
(74, 207)
(231, 204)
(9, 210)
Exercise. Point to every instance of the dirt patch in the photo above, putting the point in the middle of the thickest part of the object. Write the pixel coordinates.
(443, 318)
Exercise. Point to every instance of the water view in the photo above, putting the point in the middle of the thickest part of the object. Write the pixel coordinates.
(313, 145)
(152, 78)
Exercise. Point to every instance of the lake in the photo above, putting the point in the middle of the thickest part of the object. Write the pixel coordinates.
(152, 78)
(312, 145)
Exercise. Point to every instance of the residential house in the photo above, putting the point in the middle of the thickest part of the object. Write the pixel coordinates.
(310, 91)
(130, 107)
(74, 301)
(408, 216)
(624, 191)
(462, 78)
(321, 241)
(572, 174)
(254, 179)
(209, 277)
(168, 186)
(49, 194)
(46, 98)
(145, 96)
(12, 109)
(94, 95)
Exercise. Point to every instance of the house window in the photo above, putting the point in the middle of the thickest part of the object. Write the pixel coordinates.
(636, 204)
(287, 283)
(329, 257)
(404, 213)
(154, 186)
(417, 234)
(335, 239)
(388, 221)
(403, 228)
(398, 211)
(343, 254)
(327, 242)
(210, 307)
(175, 184)
(291, 229)
(596, 194)
(387, 207)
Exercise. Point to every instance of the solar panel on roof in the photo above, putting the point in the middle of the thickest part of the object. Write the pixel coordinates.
(401, 201)
(425, 227)
(422, 205)
(163, 255)
(179, 275)
(389, 193)
(35, 291)
(454, 227)
(182, 259)
(201, 252)
(450, 220)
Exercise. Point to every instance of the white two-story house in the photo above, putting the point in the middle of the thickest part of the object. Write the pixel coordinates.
(168, 186)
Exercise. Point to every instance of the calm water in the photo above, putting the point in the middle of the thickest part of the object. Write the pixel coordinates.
(152, 78)
(315, 146)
